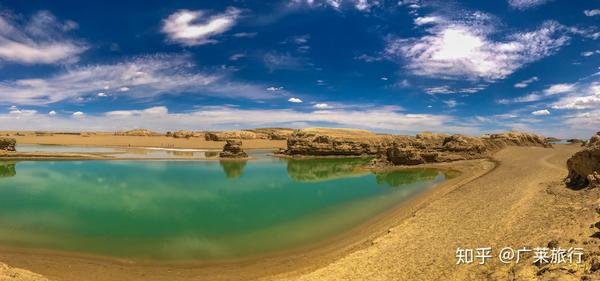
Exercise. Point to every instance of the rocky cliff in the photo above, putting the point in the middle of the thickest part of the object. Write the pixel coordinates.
(404, 150)
(584, 166)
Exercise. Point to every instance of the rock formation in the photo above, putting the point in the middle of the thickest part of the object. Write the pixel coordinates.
(8, 144)
(228, 135)
(137, 133)
(184, 134)
(404, 150)
(584, 166)
(233, 149)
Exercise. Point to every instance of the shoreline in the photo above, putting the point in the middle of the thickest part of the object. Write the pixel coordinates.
(301, 259)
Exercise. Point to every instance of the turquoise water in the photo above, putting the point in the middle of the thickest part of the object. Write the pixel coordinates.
(189, 210)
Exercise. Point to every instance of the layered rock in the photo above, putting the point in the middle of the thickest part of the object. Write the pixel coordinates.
(584, 166)
(332, 142)
(227, 135)
(137, 133)
(273, 133)
(181, 134)
(404, 150)
(233, 149)
(8, 144)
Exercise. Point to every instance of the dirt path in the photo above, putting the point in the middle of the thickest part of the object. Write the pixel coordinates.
(522, 203)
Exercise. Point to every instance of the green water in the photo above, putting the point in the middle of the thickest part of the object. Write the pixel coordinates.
(188, 210)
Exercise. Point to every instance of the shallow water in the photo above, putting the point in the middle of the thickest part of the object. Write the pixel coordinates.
(188, 210)
(123, 152)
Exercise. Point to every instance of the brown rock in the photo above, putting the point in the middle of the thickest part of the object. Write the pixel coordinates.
(226, 135)
(584, 166)
(8, 144)
(233, 149)
(137, 133)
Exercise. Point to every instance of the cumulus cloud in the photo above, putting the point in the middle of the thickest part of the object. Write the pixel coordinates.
(295, 100)
(526, 82)
(191, 28)
(41, 40)
(77, 114)
(559, 89)
(592, 13)
(426, 20)
(52, 113)
(541, 112)
(102, 94)
(465, 48)
(526, 4)
(142, 77)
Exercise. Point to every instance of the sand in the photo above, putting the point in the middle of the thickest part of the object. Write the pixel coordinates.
(109, 139)
(517, 200)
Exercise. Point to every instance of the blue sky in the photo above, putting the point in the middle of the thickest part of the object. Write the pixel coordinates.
(390, 66)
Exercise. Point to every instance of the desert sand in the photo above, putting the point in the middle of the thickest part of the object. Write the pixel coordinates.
(517, 199)
(109, 139)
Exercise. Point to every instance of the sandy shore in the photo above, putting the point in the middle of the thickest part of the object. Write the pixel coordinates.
(520, 202)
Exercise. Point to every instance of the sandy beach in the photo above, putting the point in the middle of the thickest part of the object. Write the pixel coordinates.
(518, 199)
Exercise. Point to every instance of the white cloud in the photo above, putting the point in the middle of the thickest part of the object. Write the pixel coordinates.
(525, 83)
(238, 56)
(426, 20)
(52, 113)
(41, 40)
(439, 90)
(245, 34)
(527, 98)
(360, 5)
(192, 28)
(219, 118)
(142, 77)
(465, 49)
(322, 106)
(526, 4)
(77, 114)
(295, 100)
(102, 94)
(559, 89)
(584, 97)
(591, 13)
(541, 112)
(384, 78)
(451, 103)
(590, 53)
(274, 89)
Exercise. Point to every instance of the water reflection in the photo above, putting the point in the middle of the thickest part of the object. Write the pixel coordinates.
(315, 170)
(409, 176)
(233, 168)
(7, 169)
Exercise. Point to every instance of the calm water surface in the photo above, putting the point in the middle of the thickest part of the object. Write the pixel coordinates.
(187, 210)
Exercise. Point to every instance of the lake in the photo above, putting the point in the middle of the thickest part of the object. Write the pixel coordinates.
(193, 210)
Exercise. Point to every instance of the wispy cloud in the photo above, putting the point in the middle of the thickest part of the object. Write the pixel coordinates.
(526, 82)
(41, 40)
(559, 89)
(192, 28)
(584, 96)
(526, 4)
(592, 13)
(541, 112)
(142, 77)
(212, 118)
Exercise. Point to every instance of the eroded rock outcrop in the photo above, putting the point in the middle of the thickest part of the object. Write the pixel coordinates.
(233, 149)
(584, 166)
(227, 135)
(8, 144)
(404, 150)
(137, 133)
(184, 134)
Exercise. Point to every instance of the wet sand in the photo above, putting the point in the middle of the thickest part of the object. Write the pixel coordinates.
(516, 200)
